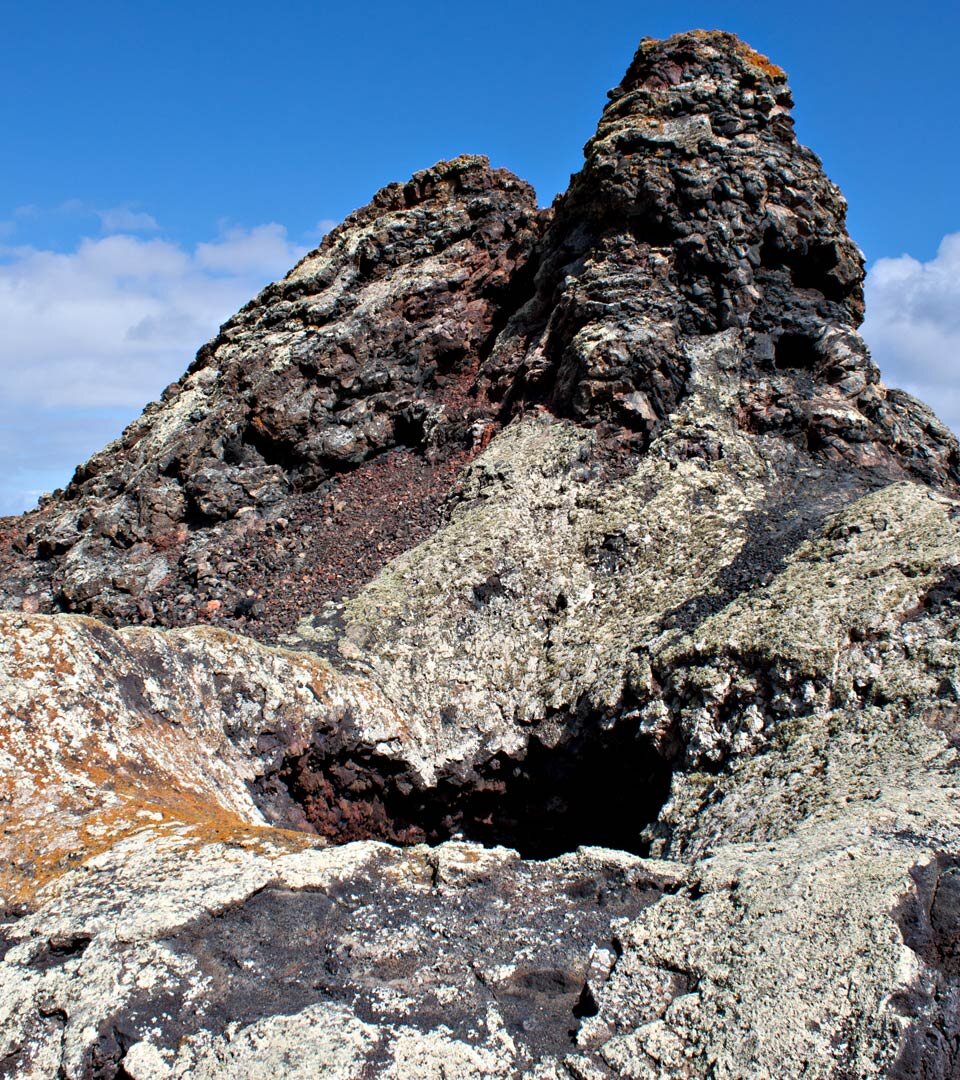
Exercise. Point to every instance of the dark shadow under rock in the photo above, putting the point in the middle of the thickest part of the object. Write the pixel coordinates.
(600, 787)
(472, 932)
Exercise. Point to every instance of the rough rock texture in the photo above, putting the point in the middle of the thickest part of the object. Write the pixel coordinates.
(630, 746)
(313, 437)
(378, 365)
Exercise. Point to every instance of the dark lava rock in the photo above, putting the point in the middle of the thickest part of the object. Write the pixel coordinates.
(343, 400)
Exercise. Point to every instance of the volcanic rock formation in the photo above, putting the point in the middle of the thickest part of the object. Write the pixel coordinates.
(599, 710)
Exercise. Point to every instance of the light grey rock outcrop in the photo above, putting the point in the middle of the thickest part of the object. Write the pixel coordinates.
(640, 760)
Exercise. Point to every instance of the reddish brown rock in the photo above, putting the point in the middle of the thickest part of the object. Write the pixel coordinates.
(340, 400)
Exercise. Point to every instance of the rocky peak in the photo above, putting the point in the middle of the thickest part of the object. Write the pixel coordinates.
(697, 211)
(616, 734)
(661, 63)
(319, 433)
(312, 439)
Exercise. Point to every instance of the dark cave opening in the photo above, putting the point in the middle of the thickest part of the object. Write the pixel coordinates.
(809, 264)
(795, 352)
(273, 450)
(600, 787)
(409, 429)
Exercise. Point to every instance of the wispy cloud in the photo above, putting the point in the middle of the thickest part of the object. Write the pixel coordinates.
(114, 219)
(123, 219)
(247, 251)
(111, 323)
(913, 326)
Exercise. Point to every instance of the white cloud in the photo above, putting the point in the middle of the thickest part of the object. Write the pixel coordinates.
(123, 219)
(109, 324)
(913, 326)
(240, 251)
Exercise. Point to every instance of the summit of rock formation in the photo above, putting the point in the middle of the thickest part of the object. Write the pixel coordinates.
(523, 644)
(319, 433)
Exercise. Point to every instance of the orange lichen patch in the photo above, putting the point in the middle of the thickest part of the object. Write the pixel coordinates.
(34, 864)
(751, 56)
(90, 758)
(763, 63)
(96, 771)
(26, 671)
(64, 667)
(59, 662)
(469, 856)
(664, 63)
(74, 790)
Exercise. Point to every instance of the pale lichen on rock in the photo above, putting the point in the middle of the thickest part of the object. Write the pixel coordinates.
(601, 711)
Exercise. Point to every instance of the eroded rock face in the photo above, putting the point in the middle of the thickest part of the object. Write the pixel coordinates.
(448, 955)
(697, 211)
(317, 436)
(625, 745)
(342, 388)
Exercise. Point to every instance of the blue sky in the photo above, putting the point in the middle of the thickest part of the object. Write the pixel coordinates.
(161, 162)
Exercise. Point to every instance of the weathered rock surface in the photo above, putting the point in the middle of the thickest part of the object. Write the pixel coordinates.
(342, 388)
(616, 735)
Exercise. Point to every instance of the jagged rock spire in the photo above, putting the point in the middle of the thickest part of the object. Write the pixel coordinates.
(697, 211)
(358, 384)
